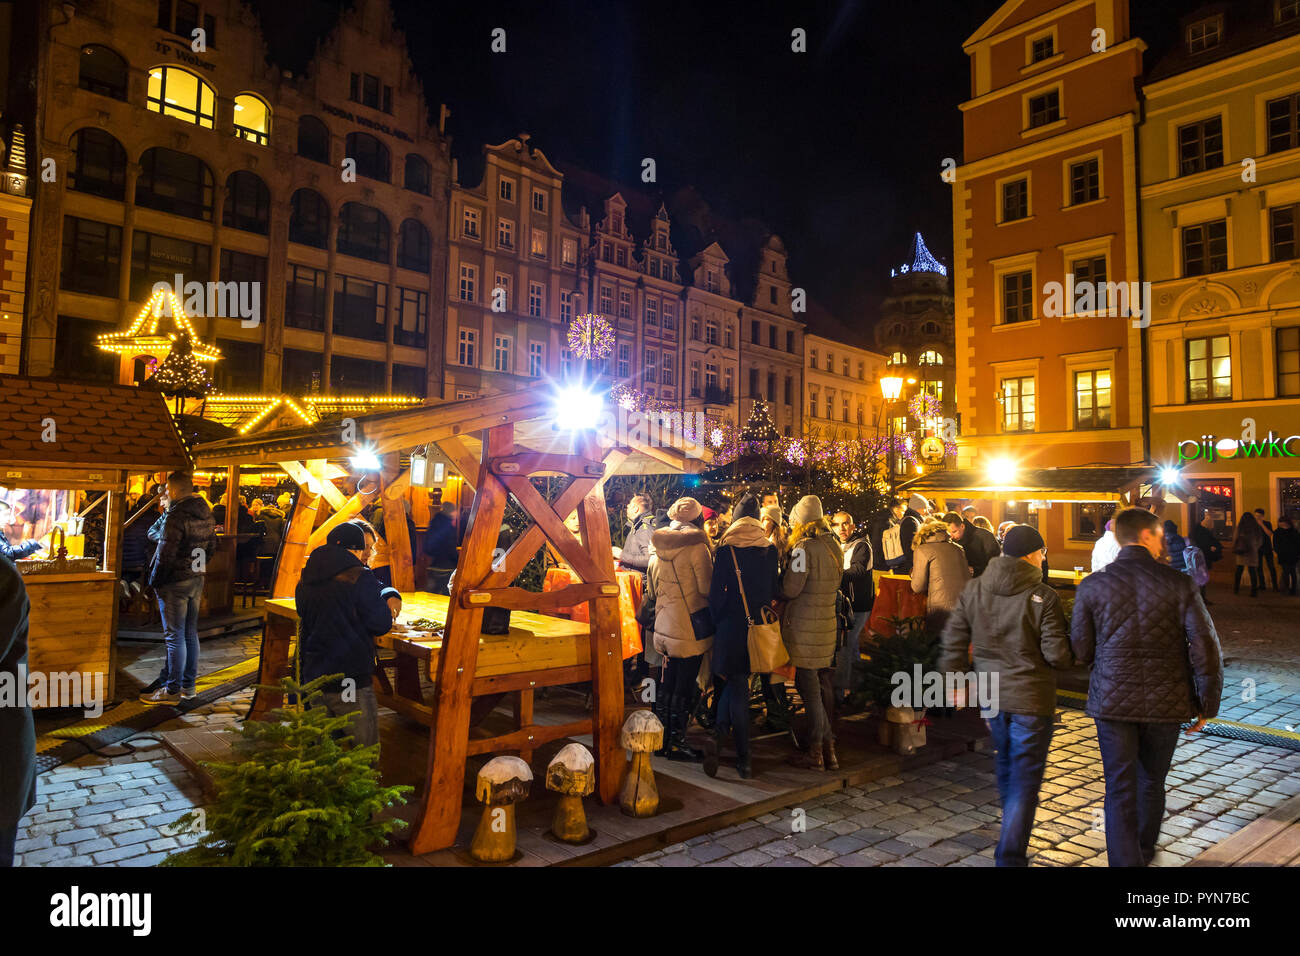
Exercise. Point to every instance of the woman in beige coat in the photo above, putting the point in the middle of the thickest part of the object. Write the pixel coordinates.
(677, 580)
(939, 571)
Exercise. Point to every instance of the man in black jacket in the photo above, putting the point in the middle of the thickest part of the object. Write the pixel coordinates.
(186, 542)
(440, 546)
(1266, 552)
(980, 546)
(1156, 663)
(17, 730)
(1015, 626)
(858, 585)
(341, 610)
(911, 522)
(1203, 537)
(635, 553)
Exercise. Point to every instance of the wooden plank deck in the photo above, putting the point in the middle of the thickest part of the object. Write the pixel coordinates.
(1272, 840)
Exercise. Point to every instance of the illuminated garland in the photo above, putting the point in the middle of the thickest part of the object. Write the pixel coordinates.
(591, 337)
(924, 407)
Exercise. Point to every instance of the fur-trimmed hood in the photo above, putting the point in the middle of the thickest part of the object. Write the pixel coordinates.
(930, 531)
(744, 533)
(671, 541)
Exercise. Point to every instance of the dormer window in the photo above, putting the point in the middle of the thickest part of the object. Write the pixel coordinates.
(1205, 34)
(710, 281)
(617, 224)
(1042, 48)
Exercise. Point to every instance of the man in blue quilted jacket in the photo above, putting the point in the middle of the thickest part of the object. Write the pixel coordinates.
(1156, 664)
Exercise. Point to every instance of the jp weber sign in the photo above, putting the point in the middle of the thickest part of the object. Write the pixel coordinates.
(1208, 448)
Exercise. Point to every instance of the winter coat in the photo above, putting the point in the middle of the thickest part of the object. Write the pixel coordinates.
(341, 610)
(1209, 544)
(247, 549)
(1104, 551)
(17, 729)
(812, 578)
(16, 552)
(1154, 652)
(940, 568)
(910, 525)
(137, 548)
(1175, 545)
(758, 573)
(440, 543)
(1015, 627)
(636, 548)
(857, 582)
(1248, 544)
(981, 547)
(272, 521)
(1286, 542)
(679, 577)
(187, 525)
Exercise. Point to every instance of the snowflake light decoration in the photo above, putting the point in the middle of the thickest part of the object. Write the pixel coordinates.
(591, 337)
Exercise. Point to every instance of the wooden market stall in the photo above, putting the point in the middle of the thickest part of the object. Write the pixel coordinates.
(497, 445)
(59, 438)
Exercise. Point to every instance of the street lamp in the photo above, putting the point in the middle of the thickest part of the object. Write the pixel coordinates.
(891, 386)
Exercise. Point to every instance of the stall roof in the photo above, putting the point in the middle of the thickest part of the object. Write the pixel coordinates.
(114, 426)
(1087, 483)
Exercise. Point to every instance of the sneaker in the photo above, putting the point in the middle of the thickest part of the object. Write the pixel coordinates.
(152, 686)
(161, 696)
(188, 693)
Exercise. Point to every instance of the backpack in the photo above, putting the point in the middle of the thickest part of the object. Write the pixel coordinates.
(891, 545)
(1194, 565)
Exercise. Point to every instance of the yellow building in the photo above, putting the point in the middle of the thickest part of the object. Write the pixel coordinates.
(842, 383)
(1220, 193)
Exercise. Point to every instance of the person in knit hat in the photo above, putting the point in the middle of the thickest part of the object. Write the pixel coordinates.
(677, 582)
(712, 525)
(911, 522)
(808, 627)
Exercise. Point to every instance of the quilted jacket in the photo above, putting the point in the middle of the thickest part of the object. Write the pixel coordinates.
(680, 572)
(1154, 652)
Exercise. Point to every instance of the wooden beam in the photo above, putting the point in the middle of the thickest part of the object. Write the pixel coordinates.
(519, 599)
(306, 479)
(297, 545)
(529, 737)
(464, 462)
(552, 525)
(401, 562)
(351, 508)
(522, 551)
(233, 501)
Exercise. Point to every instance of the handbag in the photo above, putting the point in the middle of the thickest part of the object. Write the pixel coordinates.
(766, 650)
(702, 625)
(645, 614)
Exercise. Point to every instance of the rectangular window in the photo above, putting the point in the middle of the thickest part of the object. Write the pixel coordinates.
(771, 387)
(670, 317)
(753, 383)
(1015, 200)
(830, 404)
(501, 347)
(621, 256)
(624, 367)
(1044, 108)
(506, 189)
(1018, 404)
(370, 91)
(240, 368)
(711, 281)
(506, 233)
(710, 375)
(538, 244)
(356, 376)
(566, 362)
(1092, 399)
(652, 312)
(1283, 117)
(539, 200)
(667, 371)
(566, 308)
(728, 375)
(1200, 146)
(789, 390)
(1085, 181)
(649, 369)
(606, 252)
(606, 300)
(845, 365)
(470, 227)
(1017, 297)
(1209, 369)
(410, 380)
(711, 333)
(728, 337)
(536, 295)
(248, 275)
(77, 355)
(1042, 48)
(771, 336)
(360, 308)
(1288, 361)
(536, 356)
(695, 379)
(1091, 272)
(468, 283)
(654, 267)
(862, 371)
(1281, 232)
(1205, 248)
(755, 332)
(304, 298)
(844, 409)
(812, 358)
(411, 324)
(467, 353)
(1288, 10)
(160, 258)
(569, 251)
(92, 257)
(624, 304)
(501, 293)
(300, 372)
(1204, 35)
(813, 396)
(789, 341)
(1090, 520)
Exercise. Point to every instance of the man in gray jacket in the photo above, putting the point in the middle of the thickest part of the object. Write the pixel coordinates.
(1014, 625)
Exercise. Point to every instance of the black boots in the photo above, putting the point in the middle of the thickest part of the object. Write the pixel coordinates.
(679, 716)
(711, 747)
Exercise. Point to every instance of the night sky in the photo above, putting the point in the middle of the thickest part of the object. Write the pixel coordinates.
(838, 149)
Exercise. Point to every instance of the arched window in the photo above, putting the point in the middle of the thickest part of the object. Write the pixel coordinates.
(309, 219)
(413, 246)
(248, 203)
(898, 358)
(102, 71)
(931, 357)
(252, 119)
(99, 165)
(182, 95)
(371, 156)
(363, 232)
(930, 328)
(174, 182)
(419, 177)
(313, 139)
(897, 330)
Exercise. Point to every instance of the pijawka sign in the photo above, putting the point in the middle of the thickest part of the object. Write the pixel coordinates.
(1208, 448)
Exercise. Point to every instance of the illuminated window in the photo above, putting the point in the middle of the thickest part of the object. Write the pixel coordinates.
(1018, 404)
(1092, 399)
(181, 95)
(1209, 369)
(898, 358)
(933, 387)
(252, 119)
(1288, 361)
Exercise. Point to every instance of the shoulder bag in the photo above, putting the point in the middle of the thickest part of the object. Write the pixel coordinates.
(767, 652)
(702, 625)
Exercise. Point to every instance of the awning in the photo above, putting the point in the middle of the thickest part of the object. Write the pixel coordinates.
(1088, 483)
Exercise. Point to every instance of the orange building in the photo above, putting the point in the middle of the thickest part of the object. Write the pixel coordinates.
(1045, 223)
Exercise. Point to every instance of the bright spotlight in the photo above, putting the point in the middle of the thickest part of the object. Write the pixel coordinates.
(1003, 471)
(365, 460)
(1170, 476)
(577, 409)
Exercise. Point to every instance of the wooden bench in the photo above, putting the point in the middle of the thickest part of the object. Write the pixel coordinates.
(1272, 840)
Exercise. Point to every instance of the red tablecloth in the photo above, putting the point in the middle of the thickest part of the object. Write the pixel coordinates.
(629, 602)
(894, 598)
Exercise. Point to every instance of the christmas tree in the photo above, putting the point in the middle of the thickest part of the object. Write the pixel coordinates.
(298, 796)
(181, 375)
(759, 427)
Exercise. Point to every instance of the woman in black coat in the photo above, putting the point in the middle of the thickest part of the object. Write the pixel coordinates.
(745, 545)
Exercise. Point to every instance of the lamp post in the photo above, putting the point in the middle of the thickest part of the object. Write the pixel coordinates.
(891, 386)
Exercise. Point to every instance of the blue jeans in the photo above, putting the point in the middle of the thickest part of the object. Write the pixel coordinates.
(849, 652)
(179, 606)
(1021, 741)
(1136, 759)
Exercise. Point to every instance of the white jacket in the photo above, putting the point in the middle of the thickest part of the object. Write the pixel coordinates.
(1104, 551)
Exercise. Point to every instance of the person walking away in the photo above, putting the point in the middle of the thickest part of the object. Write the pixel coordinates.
(1014, 626)
(342, 608)
(744, 561)
(1246, 547)
(856, 582)
(440, 546)
(980, 546)
(810, 582)
(1286, 542)
(679, 577)
(17, 728)
(1203, 537)
(1156, 663)
(940, 570)
(1175, 547)
(1266, 549)
(186, 542)
(1106, 548)
(908, 526)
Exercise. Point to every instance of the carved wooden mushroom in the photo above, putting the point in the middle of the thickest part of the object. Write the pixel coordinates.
(571, 774)
(643, 734)
(502, 783)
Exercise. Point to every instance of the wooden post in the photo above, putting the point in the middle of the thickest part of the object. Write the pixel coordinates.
(439, 817)
(114, 514)
(296, 547)
(400, 561)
